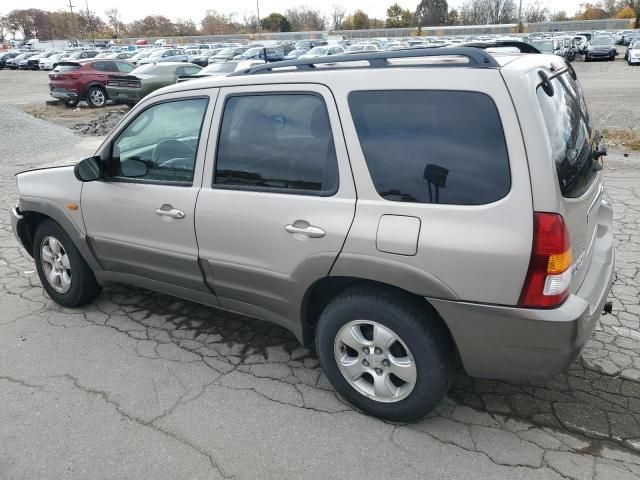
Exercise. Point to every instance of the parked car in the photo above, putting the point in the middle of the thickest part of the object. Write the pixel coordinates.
(228, 53)
(52, 61)
(164, 55)
(33, 63)
(202, 59)
(82, 55)
(581, 43)
(222, 69)
(24, 63)
(274, 54)
(12, 63)
(633, 53)
(294, 54)
(322, 51)
(362, 47)
(627, 36)
(139, 55)
(499, 253)
(74, 81)
(309, 44)
(133, 87)
(547, 45)
(601, 47)
(5, 56)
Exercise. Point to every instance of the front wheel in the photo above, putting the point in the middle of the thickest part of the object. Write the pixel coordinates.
(64, 274)
(385, 352)
(96, 97)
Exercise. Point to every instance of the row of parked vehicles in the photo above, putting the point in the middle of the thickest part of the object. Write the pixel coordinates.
(125, 75)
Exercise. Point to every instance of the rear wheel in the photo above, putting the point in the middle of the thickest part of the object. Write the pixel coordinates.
(64, 274)
(96, 97)
(385, 352)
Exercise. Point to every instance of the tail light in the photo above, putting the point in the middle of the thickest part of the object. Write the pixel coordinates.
(549, 276)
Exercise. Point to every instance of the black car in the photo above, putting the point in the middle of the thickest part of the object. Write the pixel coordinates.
(601, 48)
(228, 53)
(34, 63)
(203, 59)
(6, 56)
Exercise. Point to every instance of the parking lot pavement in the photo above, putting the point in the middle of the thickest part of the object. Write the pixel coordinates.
(141, 385)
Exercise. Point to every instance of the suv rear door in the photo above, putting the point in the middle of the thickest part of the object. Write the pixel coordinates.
(277, 200)
(573, 143)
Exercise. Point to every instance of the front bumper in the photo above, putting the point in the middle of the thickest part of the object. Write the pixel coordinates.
(511, 343)
(600, 55)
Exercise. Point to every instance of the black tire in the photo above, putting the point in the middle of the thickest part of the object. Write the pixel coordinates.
(96, 97)
(84, 286)
(415, 323)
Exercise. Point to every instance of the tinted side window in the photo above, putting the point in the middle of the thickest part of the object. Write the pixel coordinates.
(567, 122)
(277, 142)
(161, 143)
(432, 146)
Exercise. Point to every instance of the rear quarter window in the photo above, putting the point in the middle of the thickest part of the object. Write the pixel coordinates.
(432, 146)
(567, 122)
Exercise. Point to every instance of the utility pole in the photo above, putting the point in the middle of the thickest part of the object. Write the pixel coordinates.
(73, 21)
(90, 23)
(520, 25)
(258, 10)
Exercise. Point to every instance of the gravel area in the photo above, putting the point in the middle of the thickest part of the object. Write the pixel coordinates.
(141, 385)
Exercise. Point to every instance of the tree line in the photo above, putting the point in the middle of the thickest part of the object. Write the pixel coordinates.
(36, 23)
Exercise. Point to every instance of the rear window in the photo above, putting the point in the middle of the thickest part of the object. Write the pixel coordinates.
(432, 146)
(567, 122)
(69, 67)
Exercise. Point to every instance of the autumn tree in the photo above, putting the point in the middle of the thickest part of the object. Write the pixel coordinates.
(185, 27)
(398, 17)
(536, 12)
(593, 12)
(215, 23)
(305, 19)
(626, 12)
(431, 12)
(275, 22)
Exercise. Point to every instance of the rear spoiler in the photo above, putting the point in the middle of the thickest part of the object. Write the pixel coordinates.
(184, 78)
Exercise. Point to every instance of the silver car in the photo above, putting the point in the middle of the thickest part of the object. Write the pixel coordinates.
(448, 212)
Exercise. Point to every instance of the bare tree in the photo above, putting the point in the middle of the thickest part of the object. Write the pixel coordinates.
(536, 12)
(337, 16)
(488, 12)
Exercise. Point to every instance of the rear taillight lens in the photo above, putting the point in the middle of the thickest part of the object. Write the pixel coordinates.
(549, 276)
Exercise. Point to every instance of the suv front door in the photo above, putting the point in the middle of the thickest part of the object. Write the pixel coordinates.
(277, 200)
(140, 217)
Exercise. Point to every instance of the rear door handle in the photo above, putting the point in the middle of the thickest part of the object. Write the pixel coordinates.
(173, 213)
(303, 228)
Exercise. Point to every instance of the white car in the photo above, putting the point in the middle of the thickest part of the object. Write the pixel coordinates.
(322, 51)
(634, 54)
(51, 62)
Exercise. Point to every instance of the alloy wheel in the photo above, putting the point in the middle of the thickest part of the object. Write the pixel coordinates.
(55, 264)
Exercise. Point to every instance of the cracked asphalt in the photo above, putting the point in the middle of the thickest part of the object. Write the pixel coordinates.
(142, 385)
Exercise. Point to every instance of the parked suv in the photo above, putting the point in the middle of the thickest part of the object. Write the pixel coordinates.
(73, 81)
(425, 214)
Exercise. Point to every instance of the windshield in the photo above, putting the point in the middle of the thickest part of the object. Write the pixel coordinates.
(355, 48)
(303, 45)
(602, 41)
(543, 45)
(297, 52)
(75, 55)
(219, 68)
(252, 52)
(156, 54)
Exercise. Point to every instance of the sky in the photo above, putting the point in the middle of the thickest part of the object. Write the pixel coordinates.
(194, 9)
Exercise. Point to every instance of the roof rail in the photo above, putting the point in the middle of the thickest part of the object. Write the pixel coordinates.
(524, 47)
(477, 58)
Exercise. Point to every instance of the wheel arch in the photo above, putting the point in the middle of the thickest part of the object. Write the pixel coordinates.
(321, 292)
(35, 213)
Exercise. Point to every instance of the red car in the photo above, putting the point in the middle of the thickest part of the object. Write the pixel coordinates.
(73, 81)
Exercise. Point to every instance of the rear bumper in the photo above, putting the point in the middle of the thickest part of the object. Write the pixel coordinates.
(64, 94)
(124, 95)
(511, 343)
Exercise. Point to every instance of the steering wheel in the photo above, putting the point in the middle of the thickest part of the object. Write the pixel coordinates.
(173, 153)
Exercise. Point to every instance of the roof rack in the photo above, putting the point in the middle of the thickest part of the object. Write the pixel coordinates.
(524, 47)
(478, 58)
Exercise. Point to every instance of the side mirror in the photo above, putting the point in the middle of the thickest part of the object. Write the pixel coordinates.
(89, 170)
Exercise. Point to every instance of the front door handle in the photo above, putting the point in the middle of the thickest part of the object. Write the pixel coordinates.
(172, 213)
(303, 228)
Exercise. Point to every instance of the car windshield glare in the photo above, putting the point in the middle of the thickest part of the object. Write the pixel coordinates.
(219, 67)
